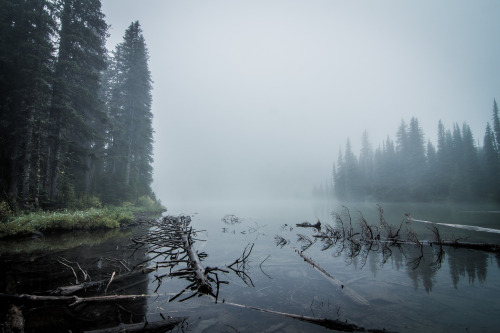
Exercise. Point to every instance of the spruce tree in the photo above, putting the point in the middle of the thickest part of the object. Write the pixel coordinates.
(417, 162)
(76, 107)
(490, 166)
(496, 125)
(130, 154)
(28, 30)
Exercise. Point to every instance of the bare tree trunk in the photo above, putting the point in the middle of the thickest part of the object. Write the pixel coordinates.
(346, 290)
(195, 263)
(337, 325)
(164, 325)
(68, 290)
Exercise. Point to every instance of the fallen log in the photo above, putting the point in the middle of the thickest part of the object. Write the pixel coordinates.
(156, 326)
(69, 290)
(72, 300)
(346, 290)
(203, 284)
(306, 224)
(324, 322)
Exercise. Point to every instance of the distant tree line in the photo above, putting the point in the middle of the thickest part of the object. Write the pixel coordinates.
(75, 122)
(411, 169)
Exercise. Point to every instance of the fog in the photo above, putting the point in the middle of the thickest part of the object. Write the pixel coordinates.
(253, 99)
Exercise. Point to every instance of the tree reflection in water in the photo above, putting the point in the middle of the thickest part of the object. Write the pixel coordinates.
(361, 243)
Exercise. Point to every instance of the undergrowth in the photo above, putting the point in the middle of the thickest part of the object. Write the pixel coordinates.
(26, 223)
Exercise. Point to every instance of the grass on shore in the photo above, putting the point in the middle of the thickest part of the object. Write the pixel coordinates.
(68, 220)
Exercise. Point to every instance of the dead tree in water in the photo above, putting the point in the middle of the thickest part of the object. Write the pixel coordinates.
(337, 325)
(171, 243)
(384, 238)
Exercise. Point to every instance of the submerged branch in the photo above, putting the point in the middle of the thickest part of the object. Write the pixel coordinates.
(346, 290)
(324, 322)
(164, 325)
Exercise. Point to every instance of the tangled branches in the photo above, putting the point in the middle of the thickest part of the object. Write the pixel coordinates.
(170, 244)
(357, 240)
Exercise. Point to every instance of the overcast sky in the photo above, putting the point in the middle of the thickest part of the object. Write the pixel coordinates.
(255, 98)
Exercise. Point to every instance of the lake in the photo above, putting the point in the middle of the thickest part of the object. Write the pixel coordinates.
(404, 288)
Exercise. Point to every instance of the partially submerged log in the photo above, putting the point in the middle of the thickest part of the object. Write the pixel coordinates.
(201, 277)
(156, 326)
(333, 324)
(70, 300)
(170, 242)
(69, 290)
(346, 290)
(306, 224)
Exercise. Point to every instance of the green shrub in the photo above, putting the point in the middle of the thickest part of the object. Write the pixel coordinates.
(87, 201)
(90, 219)
(147, 204)
(5, 211)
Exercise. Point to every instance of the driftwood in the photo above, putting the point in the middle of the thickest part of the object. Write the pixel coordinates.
(317, 225)
(69, 290)
(156, 326)
(71, 300)
(336, 324)
(170, 242)
(383, 238)
(346, 290)
(201, 277)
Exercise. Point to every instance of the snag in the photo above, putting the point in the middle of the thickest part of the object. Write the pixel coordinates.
(346, 290)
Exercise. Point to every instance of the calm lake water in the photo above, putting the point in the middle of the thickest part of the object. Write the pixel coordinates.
(405, 289)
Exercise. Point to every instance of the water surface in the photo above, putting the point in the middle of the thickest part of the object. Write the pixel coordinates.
(407, 289)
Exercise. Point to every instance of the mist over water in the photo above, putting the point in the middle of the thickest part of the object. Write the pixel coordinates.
(254, 99)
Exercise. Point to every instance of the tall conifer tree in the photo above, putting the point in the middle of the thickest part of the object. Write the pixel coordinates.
(131, 135)
(28, 30)
(76, 107)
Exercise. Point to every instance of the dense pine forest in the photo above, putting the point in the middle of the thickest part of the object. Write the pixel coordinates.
(76, 120)
(411, 169)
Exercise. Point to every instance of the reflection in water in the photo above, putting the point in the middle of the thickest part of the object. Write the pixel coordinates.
(69, 259)
(406, 284)
(422, 270)
(361, 243)
(49, 243)
(471, 263)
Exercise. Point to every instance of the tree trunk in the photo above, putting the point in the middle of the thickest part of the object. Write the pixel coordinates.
(346, 290)
(195, 263)
(13, 189)
(27, 157)
(69, 290)
(157, 326)
(56, 165)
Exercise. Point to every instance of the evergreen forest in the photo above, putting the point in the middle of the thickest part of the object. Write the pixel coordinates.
(76, 120)
(411, 169)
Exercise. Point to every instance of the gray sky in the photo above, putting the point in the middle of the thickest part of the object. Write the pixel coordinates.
(255, 98)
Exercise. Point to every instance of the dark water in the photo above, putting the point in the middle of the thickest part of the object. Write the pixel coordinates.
(456, 290)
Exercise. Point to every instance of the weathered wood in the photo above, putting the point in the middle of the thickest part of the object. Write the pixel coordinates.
(202, 281)
(71, 300)
(156, 326)
(346, 290)
(317, 225)
(69, 290)
(336, 324)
